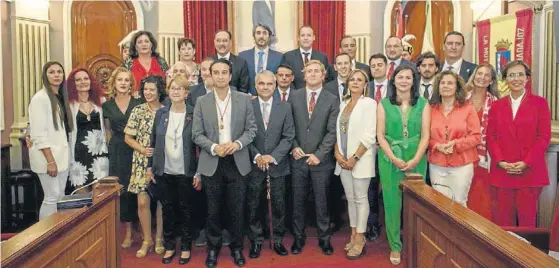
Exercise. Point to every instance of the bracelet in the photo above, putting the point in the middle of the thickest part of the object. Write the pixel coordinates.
(51, 162)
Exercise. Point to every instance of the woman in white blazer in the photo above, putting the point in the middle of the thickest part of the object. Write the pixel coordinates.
(50, 123)
(355, 156)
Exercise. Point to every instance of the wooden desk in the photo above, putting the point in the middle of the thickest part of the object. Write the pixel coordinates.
(85, 237)
(442, 233)
(6, 190)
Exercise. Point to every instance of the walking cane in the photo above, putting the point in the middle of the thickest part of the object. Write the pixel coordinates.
(269, 197)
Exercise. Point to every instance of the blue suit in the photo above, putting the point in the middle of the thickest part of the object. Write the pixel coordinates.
(272, 64)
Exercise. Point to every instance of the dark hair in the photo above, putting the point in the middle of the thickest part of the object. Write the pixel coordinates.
(341, 54)
(263, 26)
(393, 92)
(134, 52)
(513, 63)
(378, 56)
(159, 83)
(492, 88)
(62, 90)
(94, 89)
(461, 92)
(345, 37)
(455, 33)
(186, 41)
(224, 61)
(286, 66)
(226, 31)
(428, 55)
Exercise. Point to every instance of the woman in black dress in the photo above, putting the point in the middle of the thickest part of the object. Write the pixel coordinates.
(88, 145)
(116, 112)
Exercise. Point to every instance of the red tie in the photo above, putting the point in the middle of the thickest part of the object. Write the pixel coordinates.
(312, 103)
(378, 94)
(391, 70)
(283, 96)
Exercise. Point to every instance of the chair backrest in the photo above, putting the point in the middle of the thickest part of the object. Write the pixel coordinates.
(554, 228)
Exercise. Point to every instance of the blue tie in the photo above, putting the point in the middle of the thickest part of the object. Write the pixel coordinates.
(260, 62)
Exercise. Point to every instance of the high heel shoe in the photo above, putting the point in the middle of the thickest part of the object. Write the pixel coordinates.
(349, 245)
(143, 251)
(357, 250)
(127, 243)
(167, 260)
(183, 261)
(159, 248)
(395, 260)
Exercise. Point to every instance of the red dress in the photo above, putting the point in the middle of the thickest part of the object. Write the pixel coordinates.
(140, 72)
(479, 197)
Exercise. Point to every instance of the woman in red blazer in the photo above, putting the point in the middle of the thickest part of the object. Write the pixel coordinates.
(518, 134)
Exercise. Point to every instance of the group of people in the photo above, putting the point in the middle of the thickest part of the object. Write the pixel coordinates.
(190, 138)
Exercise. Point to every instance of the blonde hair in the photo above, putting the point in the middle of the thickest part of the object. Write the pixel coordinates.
(180, 80)
(112, 80)
(365, 93)
(311, 62)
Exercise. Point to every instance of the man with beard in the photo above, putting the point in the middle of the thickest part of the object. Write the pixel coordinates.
(240, 76)
(260, 57)
(393, 49)
(453, 52)
(428, 66)
(349, 45)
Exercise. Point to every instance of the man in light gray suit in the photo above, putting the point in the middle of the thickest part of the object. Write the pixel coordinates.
(223, 128)
(314, 113)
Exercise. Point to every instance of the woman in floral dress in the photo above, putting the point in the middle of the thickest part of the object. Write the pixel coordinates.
(87, 139)
(137, 135)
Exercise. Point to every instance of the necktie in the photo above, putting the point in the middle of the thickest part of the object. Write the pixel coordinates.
(312, 103)
(450, 68)
(260, 65)
(265, 115)
(306, 56)
(378, 93)
(284, 96)
(391, 70)
(344, 90)
(426, 92)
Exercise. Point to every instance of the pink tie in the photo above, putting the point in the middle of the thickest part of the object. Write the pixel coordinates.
(378, 94)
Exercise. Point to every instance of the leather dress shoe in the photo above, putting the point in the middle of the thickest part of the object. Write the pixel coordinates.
(373, 232)
(297, 246)
(326, 247)
(280, 249)
(211, 259)
(254, 251)
(238, 258)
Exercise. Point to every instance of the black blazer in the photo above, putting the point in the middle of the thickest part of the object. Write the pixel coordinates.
(332, 87)
(373, 89)
(157, 142)
(467, 69)
(365, 68)
(294, 59)
(277, 139)
(240, 76)
(196, 92)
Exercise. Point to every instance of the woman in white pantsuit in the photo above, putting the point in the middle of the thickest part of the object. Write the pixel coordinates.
(355, 156)
(50, 122)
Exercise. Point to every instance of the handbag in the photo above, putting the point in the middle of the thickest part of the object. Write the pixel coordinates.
(153, 191)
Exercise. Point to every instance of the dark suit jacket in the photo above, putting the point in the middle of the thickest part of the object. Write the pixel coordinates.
(467, 69)
(272, 63)
(278, 95)
(332, 87)
(294, 59)
(277, 139)
(240, 77)
(196, 92)
(316, 135)
(365, 68)
(373, 89)
(157, 142)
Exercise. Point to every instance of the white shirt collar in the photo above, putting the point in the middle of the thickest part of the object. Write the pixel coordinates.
(309, 93)
(426, 83)
(384, 83)
(340, 81)
(227, 56)
(309, 51)
(268, 102)
(396, 62)
(519, 99)
(222, 101)
(455, 66)
(266, 50)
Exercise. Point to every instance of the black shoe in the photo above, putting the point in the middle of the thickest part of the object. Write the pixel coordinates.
(373, 232)
(335, 226)
(169, 259)
(297, 246)
(255, 250)
(225, 238)
(326, 247)
(211, 259)
(280, 249)
(238, 258)
(200, 241)
(183, 261)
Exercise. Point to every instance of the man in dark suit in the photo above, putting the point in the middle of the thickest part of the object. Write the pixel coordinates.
(270, 154)
(453, 51)
(284, 77)
(261, 57)
(240, 76)
(207, 84)
(393, 49)
(428, 66)
(378, 86)
(314, 114)
(263, 13)
(223, 128)
(298, 57)
(349, 45)
(342, 65)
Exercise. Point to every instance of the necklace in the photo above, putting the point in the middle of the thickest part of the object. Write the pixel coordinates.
(86, 110)
(405, 116)
(176, 127)
(222, 114)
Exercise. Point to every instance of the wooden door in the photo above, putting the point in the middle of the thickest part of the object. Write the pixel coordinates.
(97, 28)
(415, 20)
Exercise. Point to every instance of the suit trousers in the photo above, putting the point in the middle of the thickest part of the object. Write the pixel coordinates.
(256, 185)
(226, 187)
(176, 203)
(453, 182)
(319, 180)
(357, 201)
(373, 197)
(519, 203)
(53, 189)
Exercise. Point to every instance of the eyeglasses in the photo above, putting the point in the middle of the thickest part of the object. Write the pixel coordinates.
(515, 75)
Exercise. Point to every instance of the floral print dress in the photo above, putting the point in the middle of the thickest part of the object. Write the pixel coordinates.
(139, 126)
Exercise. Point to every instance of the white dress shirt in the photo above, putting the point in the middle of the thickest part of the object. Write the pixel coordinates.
(422, 88)
(515, 104)
(225, 133)
(303, 55)
(224, 57)
(174, 155)
(288, 91)
(382, 89)
(264, 58)
(396, 63)
(265, 120)
(340, 89)
(309, 96)
(455, 66)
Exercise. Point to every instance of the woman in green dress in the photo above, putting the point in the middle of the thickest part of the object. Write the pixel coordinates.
(403, 120)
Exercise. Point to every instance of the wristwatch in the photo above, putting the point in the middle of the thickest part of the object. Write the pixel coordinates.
(356, 157)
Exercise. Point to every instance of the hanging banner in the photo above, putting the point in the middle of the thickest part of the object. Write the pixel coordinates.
(506, 38)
